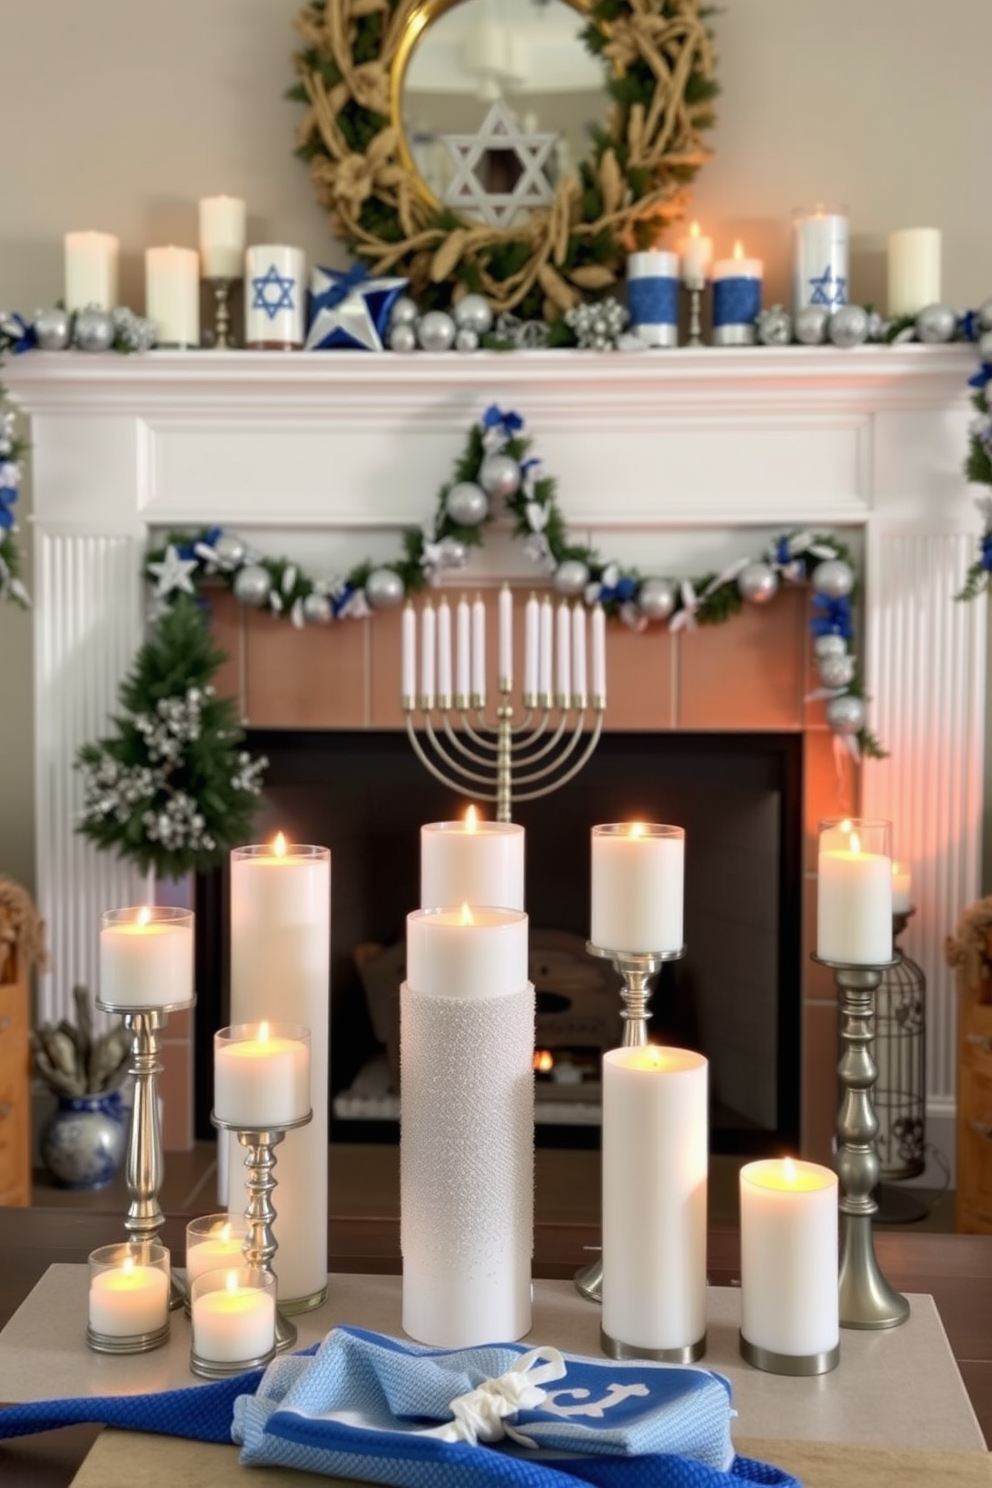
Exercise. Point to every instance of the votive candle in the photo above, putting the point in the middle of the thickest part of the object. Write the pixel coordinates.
(854, 892)
(261, 1075)
(637, 887)
(129, 1290)
(233, 1316)
(146, 957)
(214, 1242)
(472, 862)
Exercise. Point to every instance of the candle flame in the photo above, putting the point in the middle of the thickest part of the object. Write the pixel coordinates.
(471, 819)
(467, 915)
(654, 1055)
(232, 1281)
(279, 846)
(263, 1032)
(738, 249)
(636, 829)
(855, 843)
(544, 1061)
(128, 1265)
(144, 916)
(788, 1170)
(845, 825)
(694, 230)
(225, 1231)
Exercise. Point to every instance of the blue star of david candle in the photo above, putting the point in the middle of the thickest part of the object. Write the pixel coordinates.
(736, 299)
(275, 297)
(819, 258)
(653, 296)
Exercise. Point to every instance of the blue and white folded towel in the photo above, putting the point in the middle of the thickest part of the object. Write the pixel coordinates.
(370, 1407)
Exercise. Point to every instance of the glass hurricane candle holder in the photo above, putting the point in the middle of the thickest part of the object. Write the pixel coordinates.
(854, 891)
(214, 1242)
(261, 1075)
(233, 1314)
(128, 1305)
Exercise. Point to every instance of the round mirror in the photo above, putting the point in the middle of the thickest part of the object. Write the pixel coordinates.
(497, 103)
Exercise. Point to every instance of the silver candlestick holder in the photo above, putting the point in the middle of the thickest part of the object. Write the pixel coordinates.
(695, 287)
(145, 1163)
(637, 970)
(223, 340)
(866, 1298)
(260, 1245)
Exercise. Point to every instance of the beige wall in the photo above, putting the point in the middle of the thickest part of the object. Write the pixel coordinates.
(121, 115)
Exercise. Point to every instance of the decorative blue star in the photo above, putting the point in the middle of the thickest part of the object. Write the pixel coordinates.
(272, 280)
(350, 310)
(829, 291)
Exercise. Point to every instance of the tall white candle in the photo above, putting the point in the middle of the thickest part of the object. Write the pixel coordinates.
(637, 886)
(463, 662)
(261, 1075)
(172, 295)
(914, 270)
(478, 650)
(598, 654)
(129, 1299)
(428, 653)
(275, 296)
(545, 650)
(280, 968)
(90, 270)
(222, 237)
(854, 892)
(232, 1322)
(506, 636)
(409, 663)
(789, 1294)
(819, 258)
(655, 1161)
(579, 652)
(472, 862)
(466, 1152)
(563, 654)
(146, 957)
(531, 647)
(444, 651)
(902, 888)
(695, 255)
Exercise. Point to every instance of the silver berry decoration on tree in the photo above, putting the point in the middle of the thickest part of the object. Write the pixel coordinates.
(436, 331)
(229, 550)
(847, 714)
(757, 582)
(466, 339)
(52, 329)
(454, 554)
(656, 599)
(810, 325)
(133, 332)
(571, 577)
(467, 504)
(985, 315)
(936, 323)
(598, 326)
(404, 312)
(849, 326)
(775, 326)
(836, 671)
(830, 645)
(317, 608)
(834, 578)
(384, 589)
(403, 338)
(252, 585)
(93, 330)
(474, 313)
(499, 475)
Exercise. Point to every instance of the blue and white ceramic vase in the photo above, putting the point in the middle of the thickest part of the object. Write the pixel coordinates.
(83, 1141)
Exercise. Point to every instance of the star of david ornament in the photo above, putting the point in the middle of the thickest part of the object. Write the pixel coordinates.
(498, 143)
(350, 310)
(173, 573)
(275, 295)
(828, 289)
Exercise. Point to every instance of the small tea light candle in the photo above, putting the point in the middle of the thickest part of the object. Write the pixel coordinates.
(736, 298)
(233, 1315)
(854, 892)
(695, 256)
(261, 1075)
(146, 957)
(902, 888)
(637, 887)
(214, 1242)
(90, 270)
(789, 1293)
(128, 1296)
(472, 861)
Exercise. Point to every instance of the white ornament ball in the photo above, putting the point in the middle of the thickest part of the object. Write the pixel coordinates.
(454, 554)
(985, 315)
(474, 313)
(985, 346)
(404, 312)
(830, 645)
(847, 714)
(467, 504)
(402, 338)
(757, 582)
(656, 599)
(834, 578)
(230, 550)
(252, 585)
(466, 340)
(810, 325)
(848, 326)
(317, 609)
(52, 330)
(499, 476)
(571, 577)
(436, 331)
(384, 589)
(935, 324)
(836, 671)
(93, 330)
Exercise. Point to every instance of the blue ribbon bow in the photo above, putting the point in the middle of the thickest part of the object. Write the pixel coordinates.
(16, 333)
(355, 276)
(508, 424)
(986, 551)
(832, 617)
(8, 495)
(968, 325)
(209, 540)
(981, 378)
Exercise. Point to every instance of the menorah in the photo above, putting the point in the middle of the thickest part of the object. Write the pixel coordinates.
(487, 755)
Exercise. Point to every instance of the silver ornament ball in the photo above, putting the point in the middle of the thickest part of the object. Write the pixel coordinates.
(474, 313)
(93, 330)
(230, 550)
(52, 330)
(936, 323)
(757, 582)
(836, 671)
(571, 577)
(848, 326)
(317, 609)
(775, 327)
(454, 554)
(830, 645)
(467, 504)
(384, 589)
(252, 585)
(404, 312)
(436, 331)
(847, 714)
(810, 325)
(499, 475)
(985, 315)
(466, 339)
(834, 578)
(656, 599)
(403, 338)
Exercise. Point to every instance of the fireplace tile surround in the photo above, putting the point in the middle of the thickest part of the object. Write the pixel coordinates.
(676, 461)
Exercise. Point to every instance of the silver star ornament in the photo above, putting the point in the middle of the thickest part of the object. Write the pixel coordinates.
(498, 134)
(173, 573)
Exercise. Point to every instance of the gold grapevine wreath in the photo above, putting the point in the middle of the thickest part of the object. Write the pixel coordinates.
(659, 67)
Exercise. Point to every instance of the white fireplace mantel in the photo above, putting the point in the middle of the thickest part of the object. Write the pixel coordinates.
(648, 449)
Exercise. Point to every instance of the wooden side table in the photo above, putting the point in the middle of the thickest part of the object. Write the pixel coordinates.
(973, 1214)
(15, 1088)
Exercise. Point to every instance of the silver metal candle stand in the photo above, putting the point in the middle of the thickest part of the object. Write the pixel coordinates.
(145, 1165)
(223, 340)
(866, 1298)
(636, 970)
(260, 1245)
(695, 287)
(524, 761)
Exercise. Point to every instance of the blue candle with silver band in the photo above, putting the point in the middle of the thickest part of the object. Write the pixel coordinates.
(653, 296)
(736, 299)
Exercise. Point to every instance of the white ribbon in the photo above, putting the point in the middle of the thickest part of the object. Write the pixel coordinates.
(685, 618)
(634, 617)
(493, 439)
(821, 694)
(355, 607)
(296, 614)
(538, 549)
(727, 576)
(537, 514)
(207, 555)
(289, 578)
(845, 745)
(480, 1415)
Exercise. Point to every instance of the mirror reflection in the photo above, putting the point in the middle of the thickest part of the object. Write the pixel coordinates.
(497, 105)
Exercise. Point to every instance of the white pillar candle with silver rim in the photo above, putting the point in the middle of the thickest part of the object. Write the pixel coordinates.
(275, 297)
(653, 296)
(819, 258)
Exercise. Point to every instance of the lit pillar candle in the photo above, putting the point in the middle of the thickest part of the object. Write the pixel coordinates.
(280, 967)
(478, 652)
(563, 655)
(233, 1317)
(505, 638)
(789, 1292)
(90, 270)
(545, 651)
(409, 661)
(472, 862)
(579, 653)
(261, 1075)
(222, 237)
(428, 653)
(146, 957)
(129, 1290)
(854, 892)
(736, 298)
(444, 653)
(637, 886)
(531, 646)
(467, 1134)
(914, 270)
(819, 258)
(172, 295)
(695, 256)
(599, 655)
(655, 1144)
(902, 888)
(653, 296)
(463, 653)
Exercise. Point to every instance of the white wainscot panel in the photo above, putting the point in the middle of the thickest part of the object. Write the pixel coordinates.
(90, 470)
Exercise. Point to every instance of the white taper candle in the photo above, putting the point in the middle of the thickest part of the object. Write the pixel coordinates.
(563, 658)
(444, 650)
(479, 650)
(599, 654)
(505, 637)
(545, 650)
(463, 654)
(579, 652)
(428, 653)
(409, 654)
(531, 624)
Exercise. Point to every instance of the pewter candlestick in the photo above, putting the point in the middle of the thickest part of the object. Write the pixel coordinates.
(695, 286)
(223, 341)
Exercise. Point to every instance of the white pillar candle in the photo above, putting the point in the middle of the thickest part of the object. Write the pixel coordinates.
(280, 967)
(579, 653)
(90, 270)
(146, 957)
(213, 1244)
(232, 1322)
(637, 886)
(129, 1299)
(463, 653)
(275, 297)
(545, 651)
(914, 270)
(854, 893)
(467, 1136)
(599, 655)
(789, 1292)
(444, 652)
(428, 653)
(819, 258)
(409, 662)
(655, 1144)
(531, 646)
(695, 256)
(471, 862)
(261, 1075)
(478, 651)
(172, 295)
(222, 237)
(505, 637)
(902, 888)
(563, 655)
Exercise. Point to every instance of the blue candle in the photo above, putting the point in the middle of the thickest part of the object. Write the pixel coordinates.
(653, 296)
(736, 299)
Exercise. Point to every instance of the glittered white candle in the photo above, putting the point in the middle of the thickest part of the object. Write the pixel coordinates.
(902, 888)
(472, 862)
(90, 270)
(261, 1075)
(463, 652)
(146, 957)
(444, 651)
(914, 270)
(637, 886)
(172, 295)
(653, 296)
(505, 637)
(819, 258)
(854, 892)
(222, 237)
